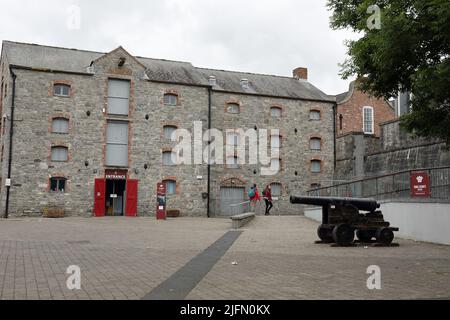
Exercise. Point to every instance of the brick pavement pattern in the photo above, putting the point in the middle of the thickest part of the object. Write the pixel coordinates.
(124, 258)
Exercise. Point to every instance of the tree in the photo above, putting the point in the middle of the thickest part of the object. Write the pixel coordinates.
(408, 51)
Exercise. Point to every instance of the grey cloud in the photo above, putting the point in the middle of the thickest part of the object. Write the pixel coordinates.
(262, 36)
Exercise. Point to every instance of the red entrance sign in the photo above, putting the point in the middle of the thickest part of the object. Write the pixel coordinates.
(420, 184)
(161, 201)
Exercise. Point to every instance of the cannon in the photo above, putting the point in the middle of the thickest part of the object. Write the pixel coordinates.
(341, 217)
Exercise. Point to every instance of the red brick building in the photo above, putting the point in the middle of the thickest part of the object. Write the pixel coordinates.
(360, 112)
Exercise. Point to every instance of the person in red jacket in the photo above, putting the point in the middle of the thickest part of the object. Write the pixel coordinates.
(254, 195)
(267, 194)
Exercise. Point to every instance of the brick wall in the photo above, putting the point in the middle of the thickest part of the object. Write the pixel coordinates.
(352, 112)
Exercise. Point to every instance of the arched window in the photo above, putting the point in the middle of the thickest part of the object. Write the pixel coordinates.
(168, 132)
(58, 184)
(233, 108)
(275, 112)
(62, 90)
(169, 158)
(60, 154)
(170, 99)
(368, 120)
(275, 189)
(316, 166)
(315, 144)
(60, 125)
(171, 186)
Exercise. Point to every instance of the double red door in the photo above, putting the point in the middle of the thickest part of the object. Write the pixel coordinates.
(100, 198)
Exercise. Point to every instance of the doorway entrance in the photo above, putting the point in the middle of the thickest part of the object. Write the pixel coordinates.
(115, 198)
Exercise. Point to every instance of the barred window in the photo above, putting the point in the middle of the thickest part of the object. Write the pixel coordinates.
(275, 189)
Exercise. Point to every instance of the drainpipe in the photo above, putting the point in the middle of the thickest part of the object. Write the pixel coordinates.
(334, 133)
(11, 133)
(208, 210)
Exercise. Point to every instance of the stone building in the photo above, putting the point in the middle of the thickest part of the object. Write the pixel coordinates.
(92, 133)
(360, 112)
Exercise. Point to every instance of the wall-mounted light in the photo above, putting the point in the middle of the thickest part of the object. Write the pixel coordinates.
(136, 171)
(147, 117)
(122, 62)
(88, 113)
(86, 163)
(145, 166)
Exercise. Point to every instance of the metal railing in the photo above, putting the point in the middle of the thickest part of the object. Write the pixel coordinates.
(390, 186)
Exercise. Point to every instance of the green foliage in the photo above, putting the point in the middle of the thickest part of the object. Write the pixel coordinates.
(410, 52)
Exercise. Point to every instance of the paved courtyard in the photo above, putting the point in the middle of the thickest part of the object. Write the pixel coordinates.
(273, 258)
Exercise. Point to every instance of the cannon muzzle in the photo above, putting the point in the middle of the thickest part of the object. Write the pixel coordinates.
(360, 203)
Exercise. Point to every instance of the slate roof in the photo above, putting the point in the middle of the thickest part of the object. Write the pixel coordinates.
(73, 60)
(340, 98)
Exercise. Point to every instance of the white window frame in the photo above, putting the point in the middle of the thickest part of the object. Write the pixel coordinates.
(61, 92)
(54, 153)
(172, 99)
(233, 104)
(364, 119)
(277, 109)
(55, 129)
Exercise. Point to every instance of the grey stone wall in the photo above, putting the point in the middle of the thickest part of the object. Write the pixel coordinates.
(397, 151)
(32, 167)
(295, 129)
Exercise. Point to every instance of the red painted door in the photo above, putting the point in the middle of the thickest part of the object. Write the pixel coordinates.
(99, 197)
(132, 198)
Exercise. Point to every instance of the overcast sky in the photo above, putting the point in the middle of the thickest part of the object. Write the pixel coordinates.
(260, 36)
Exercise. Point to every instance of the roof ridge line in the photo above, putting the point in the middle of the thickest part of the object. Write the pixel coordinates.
(252, 73)
(53, 47)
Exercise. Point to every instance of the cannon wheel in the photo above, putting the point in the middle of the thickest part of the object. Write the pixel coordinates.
(325, 234)
(385, 235)
(343, 234)
(365, 235)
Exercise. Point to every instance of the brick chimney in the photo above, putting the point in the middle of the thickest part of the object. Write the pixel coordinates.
(301, 73)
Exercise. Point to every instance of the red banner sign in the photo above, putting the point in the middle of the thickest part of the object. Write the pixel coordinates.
(420, 185)
(161, 201)
(116, 174)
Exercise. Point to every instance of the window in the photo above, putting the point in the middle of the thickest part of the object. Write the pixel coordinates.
(315, 144)
(57, 184)
(61, 90)
(276, 189)
(316, 166)
(314, 115)
(117, 144)
(233, 139)
(171, 186)
(275, 142)
(168, 132)
(60, 154)
(368, 120)
(275, 164)
(118, 97)
(233, 108)
(232, 162)
(170, 99)
(60, 125)
(169, 158)
(275, 112)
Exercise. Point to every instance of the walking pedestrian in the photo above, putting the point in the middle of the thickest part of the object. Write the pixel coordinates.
(267, 194)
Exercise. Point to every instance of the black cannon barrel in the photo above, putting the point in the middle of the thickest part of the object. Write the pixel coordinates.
(360, 203)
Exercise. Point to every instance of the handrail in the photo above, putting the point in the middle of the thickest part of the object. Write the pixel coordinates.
(380, 176)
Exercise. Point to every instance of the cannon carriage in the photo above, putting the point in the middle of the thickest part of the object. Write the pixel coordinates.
(341, 217)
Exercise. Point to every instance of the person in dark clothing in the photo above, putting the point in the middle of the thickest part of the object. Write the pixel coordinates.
(267, 194)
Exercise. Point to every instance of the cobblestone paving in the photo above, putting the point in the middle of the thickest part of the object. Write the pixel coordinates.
(119, 258)
(276, 258)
